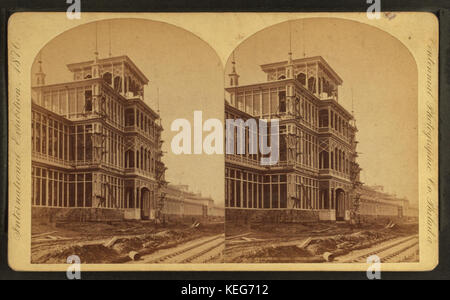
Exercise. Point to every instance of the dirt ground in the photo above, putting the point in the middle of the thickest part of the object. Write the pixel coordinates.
(110, 242)
(268, 243)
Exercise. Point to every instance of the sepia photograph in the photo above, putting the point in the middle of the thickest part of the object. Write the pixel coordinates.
(223, 142)
(345, 108)
(105, 185)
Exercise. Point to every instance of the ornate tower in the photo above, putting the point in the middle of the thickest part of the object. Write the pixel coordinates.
(234, 77)
(39, 77)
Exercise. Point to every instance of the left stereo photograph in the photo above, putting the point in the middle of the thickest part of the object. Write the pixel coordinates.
(105, 184)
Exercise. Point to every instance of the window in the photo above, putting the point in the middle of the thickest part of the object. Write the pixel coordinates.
(301, 78)
(118, 84)
(256, 104)
(283, 144)
(283, 191)
(129, 117)
(72, 143)
(275, 191)
(266, 191)
(108, 78)
(248, 103)
(38, 135)
(323, 118)
(88, 142)
(80, 100)
(88, 101)
(72, 101)
(273, 102)
(80, 143)
(55, 101)
(265, 102)
(240, 101)
(44, 136)
(282, 99)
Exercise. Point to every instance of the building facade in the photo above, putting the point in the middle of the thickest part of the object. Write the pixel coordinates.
(317, 167)
(182, 203)
(375, 203)
(96, 144)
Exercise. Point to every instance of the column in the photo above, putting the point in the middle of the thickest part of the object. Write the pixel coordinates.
(332, 199)
(317, 79)
(136, 197)
(123, 78)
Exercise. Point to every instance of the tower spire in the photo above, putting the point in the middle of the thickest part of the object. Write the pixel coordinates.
(234, 77)
(96, 41)
(40, 75)
(157, 106)
(157, 100)
(290, 66)
(290, 43)
(109, 28)
(303, 39)
(40, 61)
(353, 112)
(95, 69)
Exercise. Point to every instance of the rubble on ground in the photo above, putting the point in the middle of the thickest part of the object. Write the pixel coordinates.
(110, 243)
(306, 243)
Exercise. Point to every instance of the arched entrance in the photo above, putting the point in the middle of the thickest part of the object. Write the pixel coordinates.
(340, 205)
(145, 204)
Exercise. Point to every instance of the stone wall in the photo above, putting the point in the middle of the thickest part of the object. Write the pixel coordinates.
(49, 215)
(248, 216)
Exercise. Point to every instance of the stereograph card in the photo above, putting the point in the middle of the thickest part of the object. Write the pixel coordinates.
(223, 141)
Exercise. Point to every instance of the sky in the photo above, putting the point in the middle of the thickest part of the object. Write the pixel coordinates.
(185, 70)
(376, 69)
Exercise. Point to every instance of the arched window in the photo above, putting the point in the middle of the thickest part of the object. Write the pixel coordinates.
(312, 84)
(118, 84)
(107, 77)
(301, 77)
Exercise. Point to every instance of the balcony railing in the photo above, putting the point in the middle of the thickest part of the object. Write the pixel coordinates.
(334, 173)
(335, 132)
(134, 128)
(138, 171)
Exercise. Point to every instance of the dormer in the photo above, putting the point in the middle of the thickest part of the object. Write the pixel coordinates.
(119, 72)
(314, 73)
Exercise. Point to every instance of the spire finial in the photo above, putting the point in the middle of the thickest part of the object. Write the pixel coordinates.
(40, 61)
(40, 75)
(234, 77)
(96, 41)
(303, 39)
(157, 99)
(353, 112)
(290, 40)
(109, 25)
(157, 106)
(234, 63)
